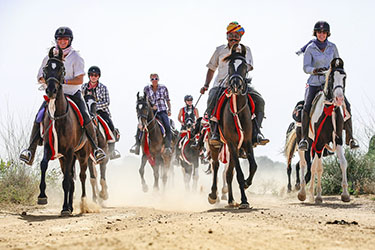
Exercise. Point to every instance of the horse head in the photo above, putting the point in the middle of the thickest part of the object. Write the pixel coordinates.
(91, 103)
(335, 83)
(237, 69)
(189, 123)
(54, 73)
(144, 110)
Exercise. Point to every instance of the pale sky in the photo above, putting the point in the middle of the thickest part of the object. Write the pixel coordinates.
(130, 39)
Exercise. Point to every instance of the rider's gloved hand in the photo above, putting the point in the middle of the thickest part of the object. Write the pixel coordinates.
(319, 71)
(203, 89)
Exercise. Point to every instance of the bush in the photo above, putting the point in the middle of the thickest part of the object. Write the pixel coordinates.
(360, 173)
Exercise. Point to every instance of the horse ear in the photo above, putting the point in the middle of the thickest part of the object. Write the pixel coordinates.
(243, 50)
(337, 63)
(50, 53)
(138, 95)
(60, 53)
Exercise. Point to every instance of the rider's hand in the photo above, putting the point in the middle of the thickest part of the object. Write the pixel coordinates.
(169, 112)
(318, 71)
(154, 107)
(203, 89)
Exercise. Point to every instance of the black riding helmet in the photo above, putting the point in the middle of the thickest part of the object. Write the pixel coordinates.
(94, 69)
(188, 97)
(322, 26)
(64, 32)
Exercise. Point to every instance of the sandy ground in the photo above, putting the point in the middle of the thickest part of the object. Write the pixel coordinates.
(184, 220)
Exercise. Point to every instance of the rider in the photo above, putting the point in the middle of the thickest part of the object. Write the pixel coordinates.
(318, 54)
(187, 112)
(158, 97)
(234, 35)
(74, 72)
(100, 92)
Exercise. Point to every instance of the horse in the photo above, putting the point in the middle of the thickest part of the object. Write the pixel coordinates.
(152, 143)
(327, 124)
(188, 156)
(64, 138)
(103, 144)
(235, 115)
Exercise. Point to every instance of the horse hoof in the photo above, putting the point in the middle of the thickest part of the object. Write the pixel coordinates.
(301, 196)
(224, 197)
(232, 205)
(318, 200)
(145, 188)
(42, 201)
(103, 195)
(244, 206)
(212, 200)
(66, 213)
(224, 190)
(297, 186)
(345, 197)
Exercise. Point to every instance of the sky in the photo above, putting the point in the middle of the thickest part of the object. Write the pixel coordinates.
(129, 40)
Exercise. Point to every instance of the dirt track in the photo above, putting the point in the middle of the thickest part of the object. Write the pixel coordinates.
(272, 223)
(180, 220)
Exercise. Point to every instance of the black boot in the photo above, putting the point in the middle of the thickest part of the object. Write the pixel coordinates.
(258, 123)
(167, 145)
(135, 148)
(113, 153)
(349, 140)
(99, 154)
(28, 155)
(215, 137)
(304, 144)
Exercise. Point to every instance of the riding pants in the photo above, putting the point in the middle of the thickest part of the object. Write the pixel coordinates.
(107, 119)
(163, 116)
(78, 99)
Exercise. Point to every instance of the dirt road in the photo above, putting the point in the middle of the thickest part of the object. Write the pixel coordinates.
(272, 223)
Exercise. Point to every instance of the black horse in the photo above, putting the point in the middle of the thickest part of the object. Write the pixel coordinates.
(236, 127)
(327, 123)
(64, 137)
(188, 156)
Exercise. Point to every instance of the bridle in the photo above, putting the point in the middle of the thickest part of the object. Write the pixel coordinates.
(236, 75)
(145, 116)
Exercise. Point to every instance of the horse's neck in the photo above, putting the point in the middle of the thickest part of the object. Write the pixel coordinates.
(60, 103)
(239, 102)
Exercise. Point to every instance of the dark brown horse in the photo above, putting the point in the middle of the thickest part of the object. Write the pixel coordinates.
(327, 123)
(152, 144)
(64, 138)
(103, 144)
(236, 128)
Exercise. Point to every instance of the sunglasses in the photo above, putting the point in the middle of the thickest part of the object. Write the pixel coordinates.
(94, 75)
(189, 100)
(234, 35)
(154, 79)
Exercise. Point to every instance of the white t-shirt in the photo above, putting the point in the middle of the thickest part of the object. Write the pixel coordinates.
(216, 62)
(74, 66)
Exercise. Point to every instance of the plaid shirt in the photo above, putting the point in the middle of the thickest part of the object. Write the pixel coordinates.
(159, 97)
(100, 92)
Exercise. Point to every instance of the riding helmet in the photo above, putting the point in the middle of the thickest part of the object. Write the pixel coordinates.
(188, 97)
(322, 26)
(94, 69)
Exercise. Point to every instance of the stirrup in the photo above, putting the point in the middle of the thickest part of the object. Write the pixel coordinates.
(303, 145)
(353, 144)
(114, 155)
(99, 154)
(261, 140)
(135, 149)
(26, 156)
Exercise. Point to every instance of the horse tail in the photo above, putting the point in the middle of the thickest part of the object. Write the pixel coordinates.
(290, 144)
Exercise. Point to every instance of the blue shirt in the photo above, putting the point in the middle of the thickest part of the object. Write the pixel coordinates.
(159, 98)
(314, 58)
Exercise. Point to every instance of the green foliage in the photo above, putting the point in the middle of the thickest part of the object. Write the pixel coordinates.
(360, 173)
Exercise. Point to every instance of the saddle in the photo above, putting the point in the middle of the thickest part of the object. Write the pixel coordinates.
(106, 131)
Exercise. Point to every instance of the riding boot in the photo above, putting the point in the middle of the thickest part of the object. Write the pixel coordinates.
(167, 145)
(113, 153)
(99, 154)
(259, 136)
(135, 148)
(27, 155)
(215, 137)
(304, 144)
(349, 140)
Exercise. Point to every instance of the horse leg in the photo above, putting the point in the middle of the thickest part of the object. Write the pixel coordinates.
(345, 197)
(298, 181)
(212, 197)
(240, 176)
(289, 171)
(252, 166)
(229, 177)
(42, 198)
(195, 173)
(165, 163)
(224, 190)
(93, 176)
(302, 161)
(82, 177)
(142, 173)
(156, 169)
(188, 169)
(314, 167)
(66, 163)
(308, 162)
(319, 171)
(103, 183)
(72, 185)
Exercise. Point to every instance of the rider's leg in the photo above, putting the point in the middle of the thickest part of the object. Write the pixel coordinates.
(309, 97)
(28, 155)
(213, 96)
(348, 126)
(99, 154)
(113, 153)
(163, 116)
(259, 113)
(135, 148)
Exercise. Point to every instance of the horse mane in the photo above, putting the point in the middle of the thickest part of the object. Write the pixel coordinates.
(336, 63)
(235, 50)
(290, 143)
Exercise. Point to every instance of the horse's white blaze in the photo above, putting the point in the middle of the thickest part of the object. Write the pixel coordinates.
(53, 65)
(237, 63)
(90, 102)
(338, 80)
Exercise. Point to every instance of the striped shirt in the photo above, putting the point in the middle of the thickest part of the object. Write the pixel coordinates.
(159, 98)
(100, 92)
